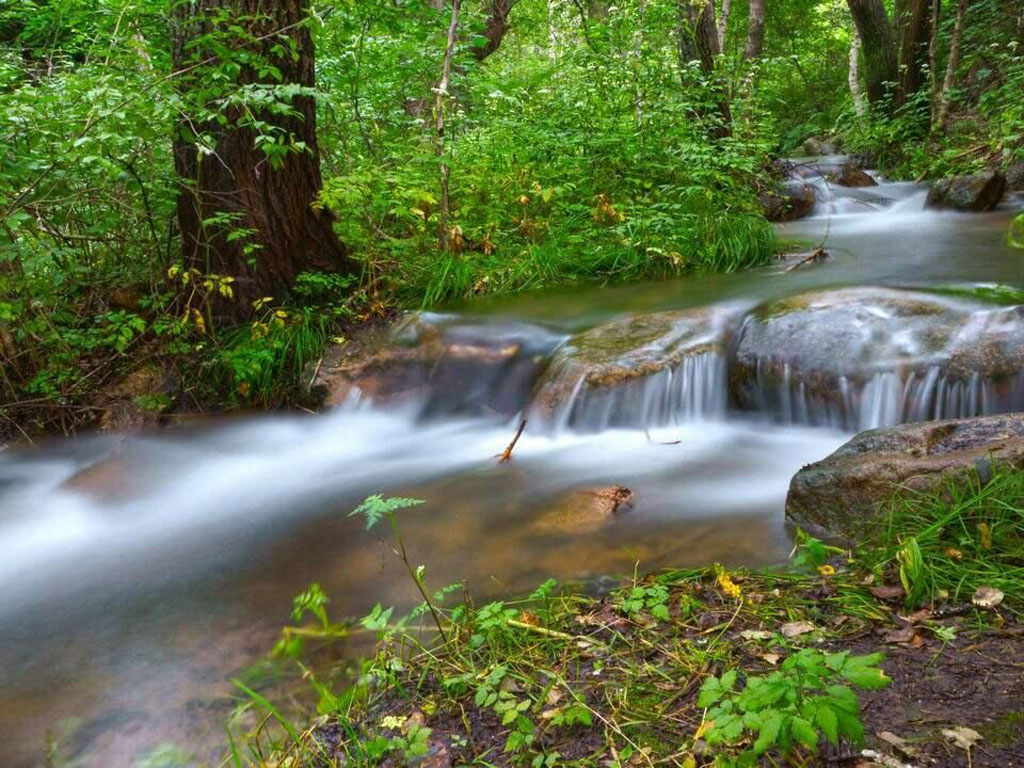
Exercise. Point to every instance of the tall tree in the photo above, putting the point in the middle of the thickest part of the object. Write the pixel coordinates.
(723, 23)
(246, 154)
(698, 41)
(853, 76)
(879, 47)
(494, 29)
(755, 30)
(914, 23)
(942, 110)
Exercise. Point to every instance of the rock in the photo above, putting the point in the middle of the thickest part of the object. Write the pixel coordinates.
(140, 399)
(108, 480)
(979, 192)
(628, 351)
(844, 494)
(1015, 177)
(815, 147)
(850, 175)
(449, 368)
(583, 511)
(832, 356)
(789, 202)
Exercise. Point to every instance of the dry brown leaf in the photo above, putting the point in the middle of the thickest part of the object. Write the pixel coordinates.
(756, 634)
(796, 628)
(771, 658)
(902, 635)
(962, 736)
(887, 592)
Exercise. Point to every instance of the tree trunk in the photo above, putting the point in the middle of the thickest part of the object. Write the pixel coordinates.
(914, 26)
(876, 38)
(698, 41)
(933, 56)
(942, 115)
(755, 30)
(495, 28)
(859, 106)
(240, 215)
(723, 23)
(439, 96)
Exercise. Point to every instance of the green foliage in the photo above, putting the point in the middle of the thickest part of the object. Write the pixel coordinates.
(375, 508)
(805, 700)
(652, 598)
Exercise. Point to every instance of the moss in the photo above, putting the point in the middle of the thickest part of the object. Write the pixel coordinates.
(1006, 730)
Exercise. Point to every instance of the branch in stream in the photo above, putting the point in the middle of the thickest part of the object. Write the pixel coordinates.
(507, 454)
(818, 254)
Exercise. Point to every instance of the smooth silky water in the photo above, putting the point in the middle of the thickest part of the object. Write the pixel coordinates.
(125, 611)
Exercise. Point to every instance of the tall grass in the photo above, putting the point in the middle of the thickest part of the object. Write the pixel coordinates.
(963, 536)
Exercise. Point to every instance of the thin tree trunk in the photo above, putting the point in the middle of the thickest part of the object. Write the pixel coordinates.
(942, 116)
(876, 38)
(439, 96)
(552, 35)
(723, 23)
(755, 30)
(232, 188)
(914, 29)
(698, 40)
(933, 55)
(859, 105)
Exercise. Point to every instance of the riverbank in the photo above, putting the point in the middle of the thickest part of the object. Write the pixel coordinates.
(827, 660)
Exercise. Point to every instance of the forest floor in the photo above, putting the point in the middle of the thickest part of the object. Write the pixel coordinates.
(621, 679)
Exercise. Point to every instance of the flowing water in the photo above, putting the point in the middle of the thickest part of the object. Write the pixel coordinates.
(139, 573)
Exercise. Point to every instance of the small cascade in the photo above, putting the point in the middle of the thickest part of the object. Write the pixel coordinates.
(887, 398)
(695, 389)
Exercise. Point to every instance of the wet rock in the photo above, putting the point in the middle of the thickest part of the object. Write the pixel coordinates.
(816, 147)
(583, 511)
(1015, 177)
(448, 368)
(632, 350)
(851, 175)
(979, 192)
(875, 356)
(789, 202)
(844, 494)
(108, 480)
(140, 399)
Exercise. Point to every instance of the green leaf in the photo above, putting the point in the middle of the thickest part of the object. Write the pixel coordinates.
(828, 722)
(768, 733)
(804, 732)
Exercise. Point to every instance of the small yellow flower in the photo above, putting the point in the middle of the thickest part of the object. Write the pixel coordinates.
(986, 535)
(826, 570)
(392, 722)
(728, 586)
(954, 553)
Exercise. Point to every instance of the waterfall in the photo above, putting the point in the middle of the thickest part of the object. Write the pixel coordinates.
(693, 390)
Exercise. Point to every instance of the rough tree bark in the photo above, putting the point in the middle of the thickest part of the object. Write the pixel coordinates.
(439, 96)
(859, 105)
(755, 30)
(879, 48)
(723, 23)
(942, 113)
(274, 206)
(697, 40)
(914, 25)
(495, 28)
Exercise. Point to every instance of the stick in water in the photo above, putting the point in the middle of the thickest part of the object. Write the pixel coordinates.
(508, 451)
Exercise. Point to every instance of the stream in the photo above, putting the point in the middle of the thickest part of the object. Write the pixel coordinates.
(124, 614)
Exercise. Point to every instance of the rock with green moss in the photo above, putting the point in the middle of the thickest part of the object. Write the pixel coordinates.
(978, 192)
(844, 495)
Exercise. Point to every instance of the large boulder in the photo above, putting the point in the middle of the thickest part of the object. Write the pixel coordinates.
(861, 357)
(816, 147)
(605, 371)
(851, 175)
(844, 495)
(788, 202)
(978, 192)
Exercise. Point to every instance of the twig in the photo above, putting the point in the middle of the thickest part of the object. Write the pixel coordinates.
(817, 254)
(508, 451)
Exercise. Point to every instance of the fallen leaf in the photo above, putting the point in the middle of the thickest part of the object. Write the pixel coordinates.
(896, 742)
(554, 696)
(756, 634)
(796, 628)
(903, 635)
(987, 597)
(962, 736)
(887, 592)
(771, 658)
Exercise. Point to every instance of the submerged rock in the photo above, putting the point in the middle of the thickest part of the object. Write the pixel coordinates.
(979, 192)
(844, 495)
(789, 202)
(636, 371)
(1015, 177)
(851, 175)
(864, 357)
(584, 510)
